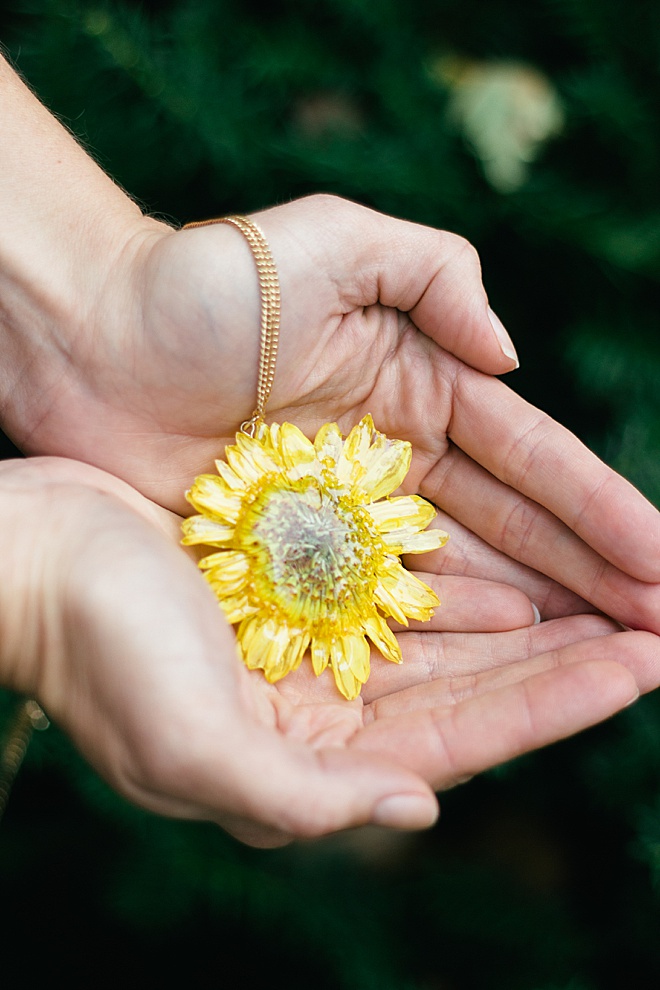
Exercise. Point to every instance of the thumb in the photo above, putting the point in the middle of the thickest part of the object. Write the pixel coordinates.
(433, 275)
(292, 791)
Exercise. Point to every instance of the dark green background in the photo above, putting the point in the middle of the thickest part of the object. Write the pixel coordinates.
(543, 875)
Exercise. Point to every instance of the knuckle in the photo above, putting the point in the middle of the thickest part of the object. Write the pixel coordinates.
(462, 251)
(518, 528)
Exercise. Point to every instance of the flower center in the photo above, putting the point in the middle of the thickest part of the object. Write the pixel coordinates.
(314, 551)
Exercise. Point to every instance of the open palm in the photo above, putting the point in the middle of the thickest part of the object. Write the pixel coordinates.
(135, 660)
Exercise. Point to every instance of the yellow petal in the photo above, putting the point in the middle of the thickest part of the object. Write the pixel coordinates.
(389, 604)
(290, 658)
(246, 630)
(295, 448)
(383, 638)
(386, 464)
(408, 540)
(242, 465)
(230, 478)
(237, 607)
(262, 433)
(350, 466)
(349, 658)
(231, 562)
(265, 645)
(402, 510)
(210, 494)
(227, 572)
(359, 439)
(201, 529)
(249, 460)
(329, 444)
(413, 598)
(320, 654)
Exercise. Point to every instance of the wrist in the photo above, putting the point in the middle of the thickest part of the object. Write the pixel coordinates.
(65, 227)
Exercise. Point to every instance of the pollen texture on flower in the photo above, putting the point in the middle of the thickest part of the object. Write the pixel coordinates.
(307, 542)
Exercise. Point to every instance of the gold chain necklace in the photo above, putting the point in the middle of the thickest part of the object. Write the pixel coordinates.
(269, 290)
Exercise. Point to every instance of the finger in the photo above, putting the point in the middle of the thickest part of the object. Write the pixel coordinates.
(434, 275)
(472, 605)
(222, 765)
(286, 789)
(532, 454)
(446, 745)
(528, 532)
(638, 652)
(428, 657)
(468, 555)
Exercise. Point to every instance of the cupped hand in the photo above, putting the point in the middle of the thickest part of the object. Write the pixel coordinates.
(166, 368)
(110, 625)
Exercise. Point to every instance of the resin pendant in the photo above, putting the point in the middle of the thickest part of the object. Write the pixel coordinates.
(307, 542)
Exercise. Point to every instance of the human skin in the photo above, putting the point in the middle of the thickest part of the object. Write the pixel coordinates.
(107, 622)
(133, 347)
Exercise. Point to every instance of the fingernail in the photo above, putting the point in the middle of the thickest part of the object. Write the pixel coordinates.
(632, 701)
(537, 614)
(503, 339)
(406, 811)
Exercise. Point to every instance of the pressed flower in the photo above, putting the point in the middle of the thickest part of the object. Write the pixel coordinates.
(307, 539)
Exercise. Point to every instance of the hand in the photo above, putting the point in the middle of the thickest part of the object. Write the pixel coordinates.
(133, 347)
(128, 651)
(166, 369)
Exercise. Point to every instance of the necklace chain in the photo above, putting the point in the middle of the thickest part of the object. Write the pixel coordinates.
(269, 289)
(27, 717)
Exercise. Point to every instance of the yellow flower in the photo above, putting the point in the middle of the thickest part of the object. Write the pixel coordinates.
(307, 547)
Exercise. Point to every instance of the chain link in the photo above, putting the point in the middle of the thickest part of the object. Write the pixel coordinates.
(27, 717)
(269, 288)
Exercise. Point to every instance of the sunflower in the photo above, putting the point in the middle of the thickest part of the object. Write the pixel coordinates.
(307, 545)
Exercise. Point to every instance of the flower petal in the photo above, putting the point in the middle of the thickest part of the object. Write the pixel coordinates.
(237, 607)
(412, 598)
(320, 654)
(264, 645)
(386, 464)
(295, 448)
(291, 657)
(209, 494)
(329, 444)
(230, 478)
(250, 460)
(350, 463)
(359, 439)
(382, 637)
(227, 572)
(408, 540)
(269, 644)
(349, 659)
(201, 529)
(389, 604)
(231, 562)
(402, 510)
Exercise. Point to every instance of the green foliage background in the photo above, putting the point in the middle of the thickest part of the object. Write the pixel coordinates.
(544, 875)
